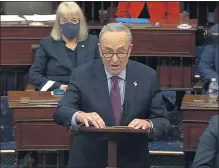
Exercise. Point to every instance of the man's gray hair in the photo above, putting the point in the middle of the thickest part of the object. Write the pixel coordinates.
(116, 27)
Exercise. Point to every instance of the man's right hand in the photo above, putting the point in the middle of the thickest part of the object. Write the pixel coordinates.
(91, 118)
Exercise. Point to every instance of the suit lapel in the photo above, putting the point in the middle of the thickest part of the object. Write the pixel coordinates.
(62, 54)
(102, 92)
(130, 87)
(81, 52)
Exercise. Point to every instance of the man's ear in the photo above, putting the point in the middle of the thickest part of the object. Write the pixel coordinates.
(130, 48)
(100, 51)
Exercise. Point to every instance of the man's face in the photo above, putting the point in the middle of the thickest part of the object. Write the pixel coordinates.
(115, 50)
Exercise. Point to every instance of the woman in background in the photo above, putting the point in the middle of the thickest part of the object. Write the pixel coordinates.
(162, 12)
(68, 46)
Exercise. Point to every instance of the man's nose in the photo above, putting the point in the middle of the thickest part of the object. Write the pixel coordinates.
(115, 58)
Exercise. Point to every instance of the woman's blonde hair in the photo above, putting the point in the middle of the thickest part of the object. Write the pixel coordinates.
(69, 9)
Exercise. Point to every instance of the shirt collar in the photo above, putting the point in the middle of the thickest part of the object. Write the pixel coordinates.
(122, 74)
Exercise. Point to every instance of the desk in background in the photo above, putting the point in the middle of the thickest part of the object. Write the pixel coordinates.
(34, 128)
(166, 40)
(195, 121)
(165, 43)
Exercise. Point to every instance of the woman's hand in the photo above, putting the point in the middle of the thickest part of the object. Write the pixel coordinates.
(63, 87)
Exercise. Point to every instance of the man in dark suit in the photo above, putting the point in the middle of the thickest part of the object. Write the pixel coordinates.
(207, 154)
(108, 92)
(209, 63)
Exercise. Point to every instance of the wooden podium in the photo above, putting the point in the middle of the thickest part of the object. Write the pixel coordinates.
(113, 133)
(35, 129)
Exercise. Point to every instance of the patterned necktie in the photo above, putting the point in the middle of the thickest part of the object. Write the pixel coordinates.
(116, 99)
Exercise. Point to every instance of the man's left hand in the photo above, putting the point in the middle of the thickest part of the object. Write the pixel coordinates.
(140, 124)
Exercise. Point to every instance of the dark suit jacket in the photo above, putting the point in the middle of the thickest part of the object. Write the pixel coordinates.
(207, 154)
(209, 63)
(88, 91)
(53, 63)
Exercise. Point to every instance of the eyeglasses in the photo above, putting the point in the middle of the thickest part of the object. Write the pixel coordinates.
(73, 20)
(109, 55)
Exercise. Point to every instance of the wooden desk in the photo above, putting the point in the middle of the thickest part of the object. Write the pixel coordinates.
(195, 121)
(163, 42)
(166, 40)
(34, 127)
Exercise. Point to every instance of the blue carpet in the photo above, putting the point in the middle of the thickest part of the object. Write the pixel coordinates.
(7, 146)
(6, 120)
(170, 95)
(156, 145)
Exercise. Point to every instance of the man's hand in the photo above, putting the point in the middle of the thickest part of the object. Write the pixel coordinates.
(91, 118)
(140, 124)
(63, 87)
